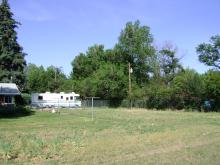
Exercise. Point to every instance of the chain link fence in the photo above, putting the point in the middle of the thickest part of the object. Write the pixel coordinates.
(92, 103)
(97, 103)
(89, 103)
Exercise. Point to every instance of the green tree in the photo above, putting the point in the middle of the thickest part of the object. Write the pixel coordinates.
(212, 87)
(51, 79)
(209, 54)
(12, 62)
(55, 78)
(68, 85)
(135, 47)
(84, 65)
(189, 89)
(160, 96)
(36, 79)
(110, 81)
(169, 63)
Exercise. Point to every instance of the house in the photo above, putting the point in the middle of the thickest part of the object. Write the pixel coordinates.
(65, 100)
(7, 93)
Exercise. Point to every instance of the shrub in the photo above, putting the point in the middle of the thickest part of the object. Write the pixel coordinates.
(23, 99)
(212, 89)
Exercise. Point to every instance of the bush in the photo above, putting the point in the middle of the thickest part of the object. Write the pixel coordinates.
(188, 90)
(160, 98)
(212, 89)
(17, 111)
(23, 99)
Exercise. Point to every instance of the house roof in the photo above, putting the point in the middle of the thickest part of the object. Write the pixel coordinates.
(9, 89)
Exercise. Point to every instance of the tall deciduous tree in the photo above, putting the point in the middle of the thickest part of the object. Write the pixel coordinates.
(51, 79)
(85, 64)
(209, 54)
(36, 79)
(135, 47)
(12, 60)
(55, 78)
(169, 63)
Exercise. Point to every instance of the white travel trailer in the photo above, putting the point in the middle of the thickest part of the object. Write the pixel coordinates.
(58, 100)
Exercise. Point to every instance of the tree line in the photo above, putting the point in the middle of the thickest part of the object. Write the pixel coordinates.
(158, 79)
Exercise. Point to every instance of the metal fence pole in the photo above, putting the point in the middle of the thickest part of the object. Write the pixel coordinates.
(92, 102)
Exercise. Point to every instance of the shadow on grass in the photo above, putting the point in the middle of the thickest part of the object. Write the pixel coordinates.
(17, 112)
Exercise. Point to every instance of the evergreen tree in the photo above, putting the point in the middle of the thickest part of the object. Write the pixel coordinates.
(12, 62)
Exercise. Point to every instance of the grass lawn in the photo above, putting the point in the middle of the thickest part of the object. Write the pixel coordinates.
(116, 136)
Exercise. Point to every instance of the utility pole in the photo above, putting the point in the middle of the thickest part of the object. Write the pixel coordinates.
(55, 70)
(130, 70)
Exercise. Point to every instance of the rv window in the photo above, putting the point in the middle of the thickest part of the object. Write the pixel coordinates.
(71, 97)
(40, 97)
(61, 97)
(77, 97)
(67, 98)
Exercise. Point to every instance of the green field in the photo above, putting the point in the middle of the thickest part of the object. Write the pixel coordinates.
(115, 136)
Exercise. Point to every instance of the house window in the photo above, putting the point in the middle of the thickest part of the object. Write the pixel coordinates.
(71, 97)
(67, 98)
(2, 100)
(8, 99)
(61, 97)
(40, 97)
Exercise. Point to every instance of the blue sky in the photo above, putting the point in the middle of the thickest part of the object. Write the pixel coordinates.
(53, 32)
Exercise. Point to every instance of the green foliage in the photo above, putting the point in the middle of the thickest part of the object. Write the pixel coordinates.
(96, 73)
(50, 79)
(158, 79)
(18, 111)
(189, 89)
(24, 99)
(55, 78)
(169, 63)
(68, 85)
(160, 97)
(104, 73)
(209, 54)
(85, 65)
(110, 81)
(212, 87)
(85, 87)
(36, 78)
(135, 47)
(12, 60)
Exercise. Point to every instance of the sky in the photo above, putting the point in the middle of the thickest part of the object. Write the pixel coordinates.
(54, 32)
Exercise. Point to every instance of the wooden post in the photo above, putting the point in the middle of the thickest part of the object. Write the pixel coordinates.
(129, 77)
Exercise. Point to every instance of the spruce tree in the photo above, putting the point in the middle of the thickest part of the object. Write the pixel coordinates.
(12, 62)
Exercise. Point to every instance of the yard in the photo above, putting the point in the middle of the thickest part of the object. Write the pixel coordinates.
(115, 136)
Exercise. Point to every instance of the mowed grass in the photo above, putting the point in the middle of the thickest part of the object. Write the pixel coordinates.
(115, 136)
